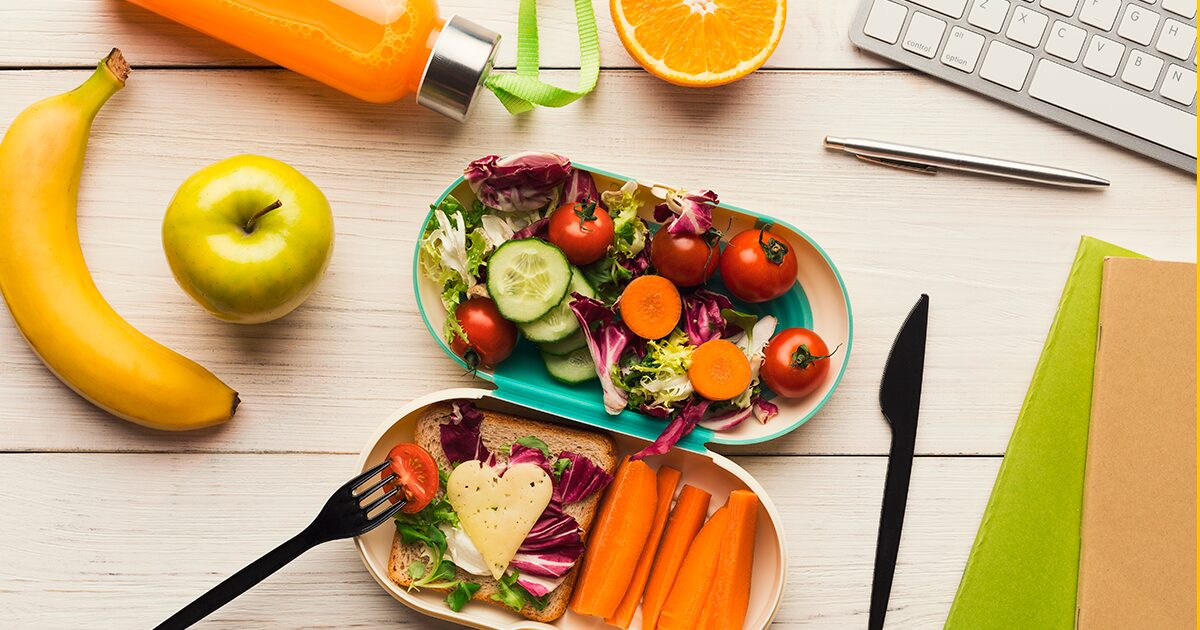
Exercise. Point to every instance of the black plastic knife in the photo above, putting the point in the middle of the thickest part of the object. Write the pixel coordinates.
(900, 400)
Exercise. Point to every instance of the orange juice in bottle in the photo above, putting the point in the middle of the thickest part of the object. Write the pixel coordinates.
(377, 50)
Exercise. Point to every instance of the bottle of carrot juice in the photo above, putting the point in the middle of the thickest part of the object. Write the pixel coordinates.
(377, 50)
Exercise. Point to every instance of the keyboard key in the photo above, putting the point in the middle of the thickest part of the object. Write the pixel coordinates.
(1114, 106)
(1179, 86)
(1176, 39)
(1100, 13)
(1027, 27)
(924, 35)
(1139, 24)
(1142, 69)
(953, 8)
(1186, 8)
(1006, 65)
(1065, 41)
(989, 14)
(885, 21)
(1103, 55)
(962, 49)
(1065, 7)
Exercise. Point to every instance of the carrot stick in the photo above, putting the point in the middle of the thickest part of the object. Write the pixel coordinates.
(720, 370)
(729, 590)
(668, 478)
(686, 601)
(618, 535)
(651, 306)
(686, 519)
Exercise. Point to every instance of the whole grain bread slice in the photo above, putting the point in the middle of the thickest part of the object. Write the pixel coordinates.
(499, 431)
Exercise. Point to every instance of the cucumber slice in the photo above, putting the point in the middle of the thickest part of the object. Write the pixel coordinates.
(560, 322)
(527, 277)
(576, 367)
(574, 341)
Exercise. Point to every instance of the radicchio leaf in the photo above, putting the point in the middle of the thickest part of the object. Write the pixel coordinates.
(607, 340)
(727, 420)
(461, 439)
(764, 409)
(580, 480)
(581, 188)
(702, 319)
(521, 454)
(680, 425)
(538, 228)
(520, 182)
(549, 552)
(692, 212)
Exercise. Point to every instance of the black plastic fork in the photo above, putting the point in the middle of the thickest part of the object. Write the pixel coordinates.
(343, 516)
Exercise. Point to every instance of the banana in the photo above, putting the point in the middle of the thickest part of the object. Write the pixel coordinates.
(49, 291)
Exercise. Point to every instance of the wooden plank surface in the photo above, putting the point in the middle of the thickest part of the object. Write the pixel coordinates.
(130, 538)
(992, 255)
(75, 32)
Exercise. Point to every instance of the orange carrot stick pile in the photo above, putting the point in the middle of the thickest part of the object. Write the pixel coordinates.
(668, 478)
(686, 520)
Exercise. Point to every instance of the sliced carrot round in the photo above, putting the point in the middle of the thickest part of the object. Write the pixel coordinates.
(720, 370)
(651, 307)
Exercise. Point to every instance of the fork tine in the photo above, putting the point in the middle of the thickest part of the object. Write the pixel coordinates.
(358, 481)
(383, 516)
(369, 491)
(380, 501)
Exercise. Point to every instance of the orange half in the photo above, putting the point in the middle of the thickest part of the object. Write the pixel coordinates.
(699, 43)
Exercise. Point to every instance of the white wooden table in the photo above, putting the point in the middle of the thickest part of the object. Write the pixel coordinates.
(106, 525)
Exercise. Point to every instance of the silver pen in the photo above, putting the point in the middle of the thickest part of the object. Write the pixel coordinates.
(931, 160)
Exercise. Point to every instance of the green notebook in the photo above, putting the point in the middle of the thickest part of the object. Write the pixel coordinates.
(1023, 567)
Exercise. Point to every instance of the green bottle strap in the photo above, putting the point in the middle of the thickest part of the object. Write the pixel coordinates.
(523, 91)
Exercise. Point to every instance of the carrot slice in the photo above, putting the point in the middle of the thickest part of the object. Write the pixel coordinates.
(651, 307)
(686, 519)
(618, 535)
(668, 478)
(729, 592)
(686, 601)
(720, 370)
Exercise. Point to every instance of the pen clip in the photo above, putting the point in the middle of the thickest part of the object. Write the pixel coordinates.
(900, 164)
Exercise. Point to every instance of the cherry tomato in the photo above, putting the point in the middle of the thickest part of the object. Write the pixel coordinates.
(582, 230)
(685, 259)
(490, 337)
(796, 362)
(757, 266)
(416, 476)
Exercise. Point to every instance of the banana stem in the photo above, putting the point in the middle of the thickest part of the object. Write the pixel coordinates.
(249, 227)
(109, 77)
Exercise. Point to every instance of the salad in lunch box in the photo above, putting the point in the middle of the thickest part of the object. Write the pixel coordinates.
(608, 295)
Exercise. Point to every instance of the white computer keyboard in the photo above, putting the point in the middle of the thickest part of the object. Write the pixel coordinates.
(1124, 70)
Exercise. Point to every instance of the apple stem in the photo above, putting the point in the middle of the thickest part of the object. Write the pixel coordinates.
(249, 227)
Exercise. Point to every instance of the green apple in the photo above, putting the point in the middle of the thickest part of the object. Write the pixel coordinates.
(248, 237)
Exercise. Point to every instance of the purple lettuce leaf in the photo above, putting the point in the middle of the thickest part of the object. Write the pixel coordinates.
(550, 550)
(538, 228)
(702, 319)
(581, 479)
(688, 213)
(764, 409)
(680, 425)
(521, 182)
(461, 439)
(581, 188)
(607, 340)
(655, 411)
(521, 454)
(727, 420)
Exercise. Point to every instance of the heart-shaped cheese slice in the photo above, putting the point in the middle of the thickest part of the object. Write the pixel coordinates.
(498, 512)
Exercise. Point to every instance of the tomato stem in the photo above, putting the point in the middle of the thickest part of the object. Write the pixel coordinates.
(774, 249)
(803, 358)
(586, 211)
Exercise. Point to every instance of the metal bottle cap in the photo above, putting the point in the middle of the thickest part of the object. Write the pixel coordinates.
(460, 61)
